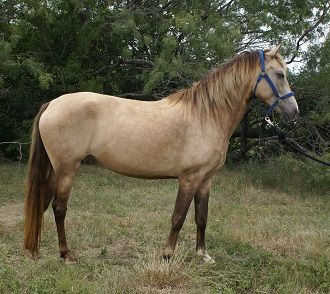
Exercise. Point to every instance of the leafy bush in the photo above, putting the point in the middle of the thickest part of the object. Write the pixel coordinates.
(291, 174)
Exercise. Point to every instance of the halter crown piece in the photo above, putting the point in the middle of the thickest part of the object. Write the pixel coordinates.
(264, 75)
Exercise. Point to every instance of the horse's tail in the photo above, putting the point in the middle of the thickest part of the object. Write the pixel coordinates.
(39, 169)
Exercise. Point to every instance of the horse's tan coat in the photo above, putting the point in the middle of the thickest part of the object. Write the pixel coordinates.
(142, 139)
(184, 136)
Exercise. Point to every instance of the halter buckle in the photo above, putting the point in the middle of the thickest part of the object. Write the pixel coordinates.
(268, 121)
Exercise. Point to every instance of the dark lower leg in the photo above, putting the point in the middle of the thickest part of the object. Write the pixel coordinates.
(183, 200)
(59, 208)
(201, 210)
(178, 219)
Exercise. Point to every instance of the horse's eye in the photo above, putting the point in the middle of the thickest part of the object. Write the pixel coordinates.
(280, 75)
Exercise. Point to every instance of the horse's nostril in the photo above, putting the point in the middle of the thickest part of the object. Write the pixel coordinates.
(291, 115)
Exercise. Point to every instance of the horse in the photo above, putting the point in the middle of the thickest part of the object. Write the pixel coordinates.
(183, 136)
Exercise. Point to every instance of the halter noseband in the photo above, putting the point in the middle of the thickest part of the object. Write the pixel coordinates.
(264, 75)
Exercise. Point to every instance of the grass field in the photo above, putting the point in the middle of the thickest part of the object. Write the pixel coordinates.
(268, 232)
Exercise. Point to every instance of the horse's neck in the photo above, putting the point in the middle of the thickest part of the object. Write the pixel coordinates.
(231, 116)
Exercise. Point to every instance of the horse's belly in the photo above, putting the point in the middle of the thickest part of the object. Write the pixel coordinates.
(139, 165)
(140, 145)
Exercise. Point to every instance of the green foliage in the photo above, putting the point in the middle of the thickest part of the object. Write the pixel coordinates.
(291, 175)
(8, 281)
(149, 48)
(313, 86)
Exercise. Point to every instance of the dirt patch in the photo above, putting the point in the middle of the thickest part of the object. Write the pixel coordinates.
(11, 214)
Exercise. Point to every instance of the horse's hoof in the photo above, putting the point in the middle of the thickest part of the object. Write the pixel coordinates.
(35, 256)
(205, 258)
(208, 259)
(68, 259)
(167, 254)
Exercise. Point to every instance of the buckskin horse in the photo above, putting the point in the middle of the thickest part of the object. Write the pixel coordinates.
(183, 136)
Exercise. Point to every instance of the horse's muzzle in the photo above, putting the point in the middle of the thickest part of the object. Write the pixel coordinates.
(289, 109)
(289, 115)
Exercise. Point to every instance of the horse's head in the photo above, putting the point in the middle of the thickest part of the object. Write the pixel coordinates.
(272, 86)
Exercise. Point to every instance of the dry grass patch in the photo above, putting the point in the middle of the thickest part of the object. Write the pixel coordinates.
(158, 273)
(281, 224)
(263, 240)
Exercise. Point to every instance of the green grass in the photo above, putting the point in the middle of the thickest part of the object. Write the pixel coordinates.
(267, 236)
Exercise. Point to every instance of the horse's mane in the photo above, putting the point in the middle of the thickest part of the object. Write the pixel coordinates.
(221, 87)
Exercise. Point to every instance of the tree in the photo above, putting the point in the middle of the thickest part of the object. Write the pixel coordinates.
(140, 49)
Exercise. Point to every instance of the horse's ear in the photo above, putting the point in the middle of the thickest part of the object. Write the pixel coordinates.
(273, 51)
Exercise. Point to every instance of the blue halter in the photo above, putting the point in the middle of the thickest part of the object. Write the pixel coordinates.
(264, 75)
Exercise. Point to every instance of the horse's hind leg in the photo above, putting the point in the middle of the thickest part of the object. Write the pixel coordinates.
(64, 183)
(201, 200)
(51, 189)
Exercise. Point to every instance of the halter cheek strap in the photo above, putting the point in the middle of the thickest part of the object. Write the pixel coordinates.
(264, 75)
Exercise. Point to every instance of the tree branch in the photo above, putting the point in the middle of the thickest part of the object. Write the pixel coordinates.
(252, 133)
(144, 62)
(106, 67)
(139, 96)
(166, 5)
(135, 62)
(225, 7)
(308, 30)
(20, 147)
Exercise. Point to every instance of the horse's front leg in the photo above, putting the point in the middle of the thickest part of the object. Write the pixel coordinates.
(188, 186)
(201, 200)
